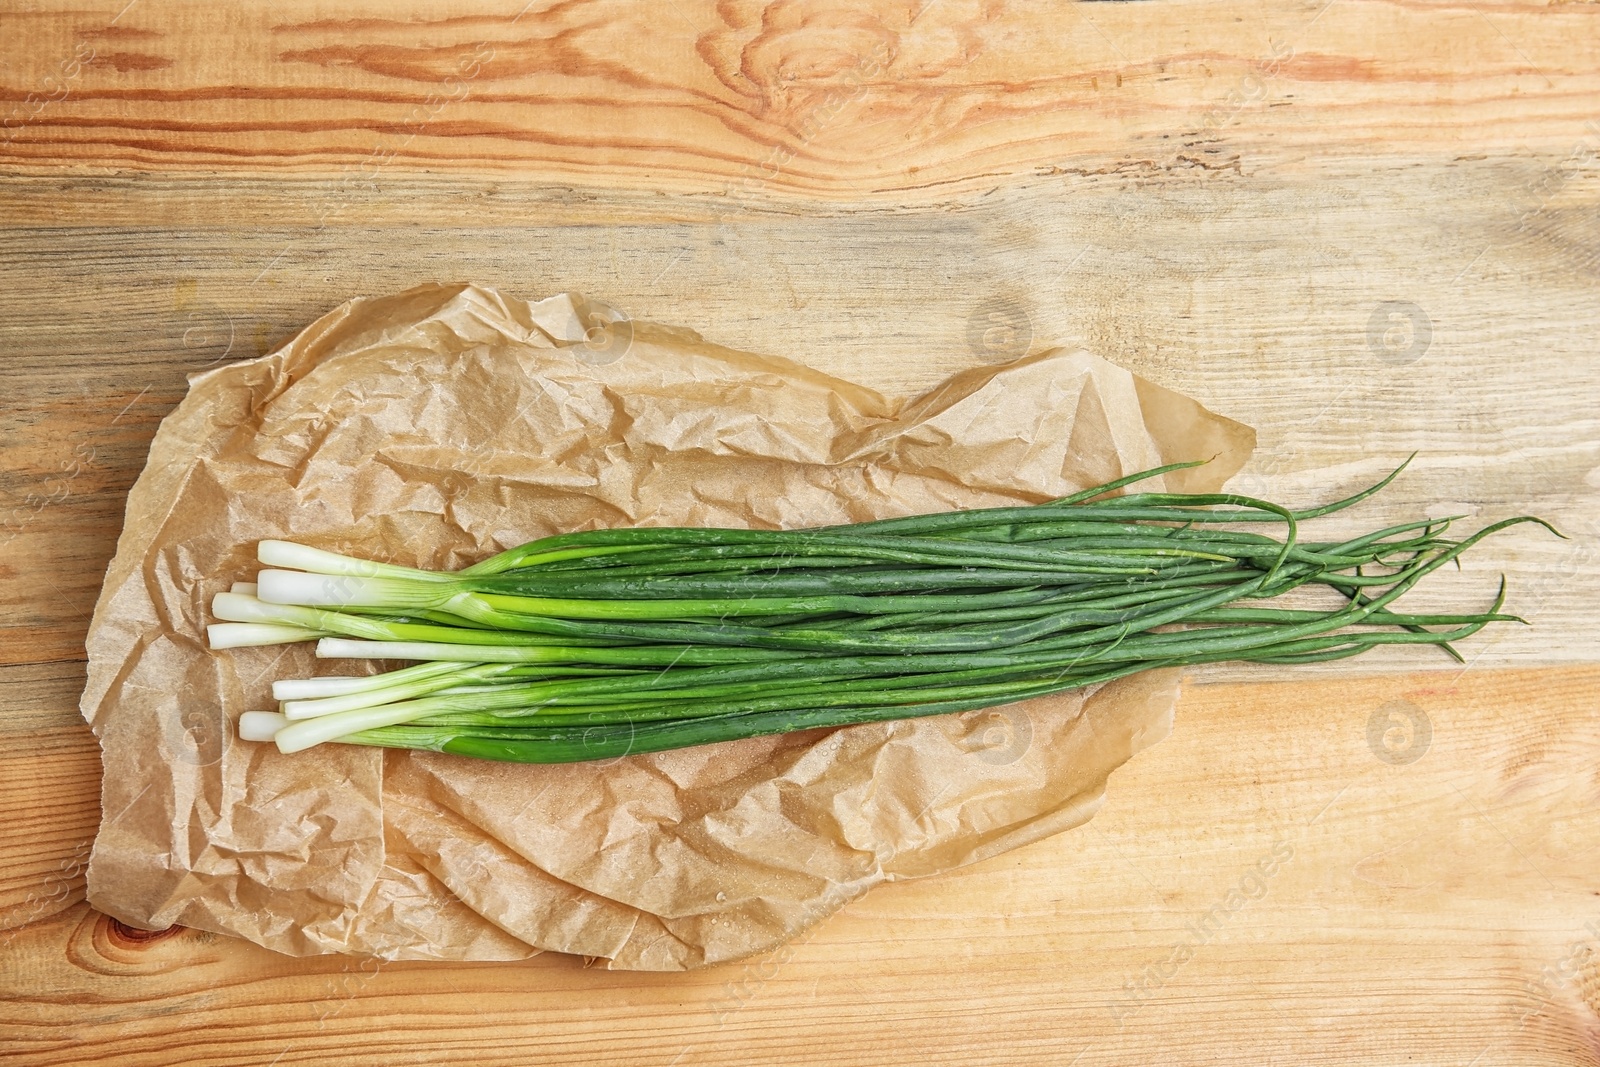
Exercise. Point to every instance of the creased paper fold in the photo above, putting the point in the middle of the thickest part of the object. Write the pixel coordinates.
(443, 424)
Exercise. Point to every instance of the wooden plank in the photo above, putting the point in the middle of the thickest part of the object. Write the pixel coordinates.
(908, 98)
(1263, 295)
(50, 790)
(1396, 909)
(1363, 228)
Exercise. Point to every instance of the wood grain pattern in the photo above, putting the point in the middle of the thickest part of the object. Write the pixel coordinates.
(1363, 227)
(825, 98)
(1381, 934)
(47, 789)
(1256, 294)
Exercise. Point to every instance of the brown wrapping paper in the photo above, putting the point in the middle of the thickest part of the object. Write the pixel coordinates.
(441, 425)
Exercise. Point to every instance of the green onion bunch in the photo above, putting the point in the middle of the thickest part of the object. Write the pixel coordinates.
(603, 643)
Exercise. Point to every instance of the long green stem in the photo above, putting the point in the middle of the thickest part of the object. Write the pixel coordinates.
(599, 643)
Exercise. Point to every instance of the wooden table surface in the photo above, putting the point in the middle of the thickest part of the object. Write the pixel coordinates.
(1364, 227)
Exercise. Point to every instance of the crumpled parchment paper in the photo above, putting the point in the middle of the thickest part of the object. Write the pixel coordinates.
(443, 424)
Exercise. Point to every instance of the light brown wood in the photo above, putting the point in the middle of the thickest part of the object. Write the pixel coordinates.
(1410, 914)
(823, 98)
(1257, 295)
(51, 815)
(1383, 242)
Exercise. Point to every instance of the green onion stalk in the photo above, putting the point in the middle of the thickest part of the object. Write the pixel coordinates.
(603, 643)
